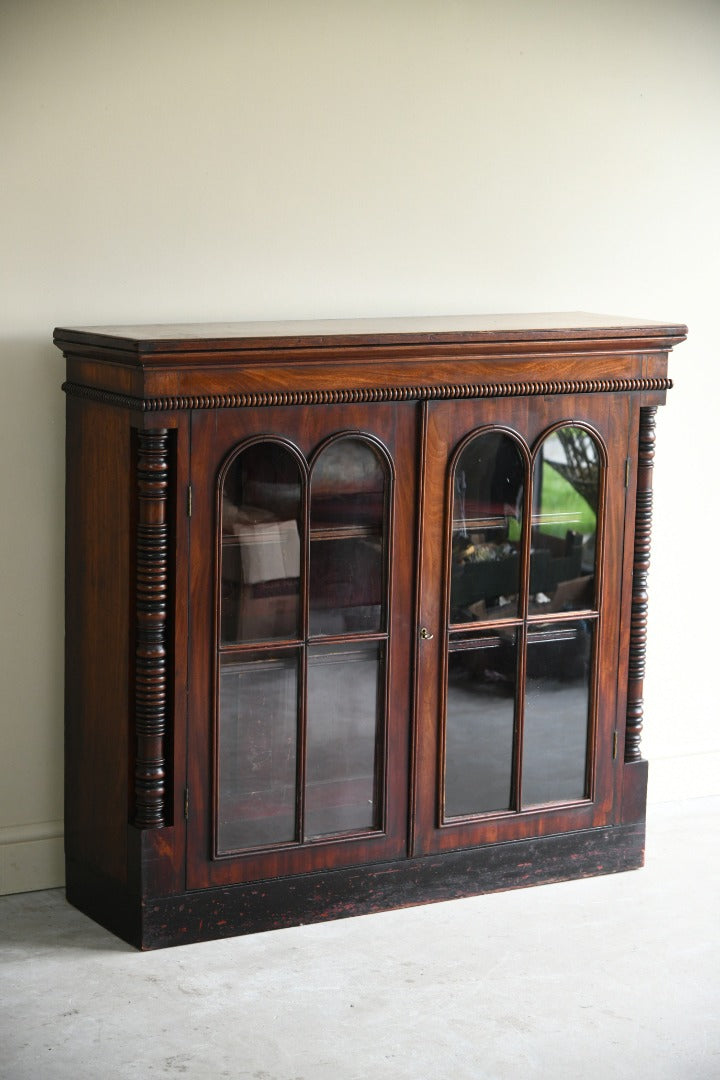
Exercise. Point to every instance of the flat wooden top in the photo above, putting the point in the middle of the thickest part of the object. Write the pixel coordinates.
(329, 333)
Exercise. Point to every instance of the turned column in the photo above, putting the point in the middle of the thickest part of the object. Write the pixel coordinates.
(151, 606)
(641, 565)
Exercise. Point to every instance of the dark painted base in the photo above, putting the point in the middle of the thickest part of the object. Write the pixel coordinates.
(268, 905)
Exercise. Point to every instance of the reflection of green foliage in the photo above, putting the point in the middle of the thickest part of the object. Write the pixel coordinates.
(560, 497)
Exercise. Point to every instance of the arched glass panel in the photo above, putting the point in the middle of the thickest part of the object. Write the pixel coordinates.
(566, 486)
(261, 550)
(488, 487)
(348, 539)
(347, 598)
(488, 490)
(560, 654)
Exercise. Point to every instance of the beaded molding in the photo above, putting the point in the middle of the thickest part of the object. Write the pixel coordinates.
(392, 393)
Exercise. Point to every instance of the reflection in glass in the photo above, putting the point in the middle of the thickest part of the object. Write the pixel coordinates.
(257, 750)
(480, 723)
(565, 505)
(261, 507)
(557, 697)
(488, 485)
(347, 516)
(344, 713)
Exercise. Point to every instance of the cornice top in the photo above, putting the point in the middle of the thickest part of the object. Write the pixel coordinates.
(142, 343)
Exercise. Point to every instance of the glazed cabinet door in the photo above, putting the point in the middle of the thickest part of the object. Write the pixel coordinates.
(518, 645)
(300, 639)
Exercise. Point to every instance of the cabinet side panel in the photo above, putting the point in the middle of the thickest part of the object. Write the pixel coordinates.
(98, 527)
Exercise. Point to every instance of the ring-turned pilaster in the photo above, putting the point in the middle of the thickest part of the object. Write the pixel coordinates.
(151, 607)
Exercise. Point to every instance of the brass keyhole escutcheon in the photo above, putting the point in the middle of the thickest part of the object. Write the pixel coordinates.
(425, 634)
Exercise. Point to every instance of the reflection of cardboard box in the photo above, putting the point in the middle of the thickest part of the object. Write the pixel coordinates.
(270, 568)
(269, 551)
(260, 571)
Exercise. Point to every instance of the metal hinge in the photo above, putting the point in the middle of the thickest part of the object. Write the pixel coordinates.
(615, 745)
(627, 472)
(189, 500)
(186, 805)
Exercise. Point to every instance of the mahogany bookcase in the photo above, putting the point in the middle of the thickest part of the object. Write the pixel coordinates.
(355, 613)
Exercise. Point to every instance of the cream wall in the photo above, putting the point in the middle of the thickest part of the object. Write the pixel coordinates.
(226, 159)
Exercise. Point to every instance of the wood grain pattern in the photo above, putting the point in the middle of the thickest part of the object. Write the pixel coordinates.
(99, 498)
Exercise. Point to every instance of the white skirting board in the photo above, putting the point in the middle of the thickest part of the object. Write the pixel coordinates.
(31, 857)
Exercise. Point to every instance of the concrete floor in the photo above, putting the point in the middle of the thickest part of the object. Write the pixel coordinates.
(613, 977)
